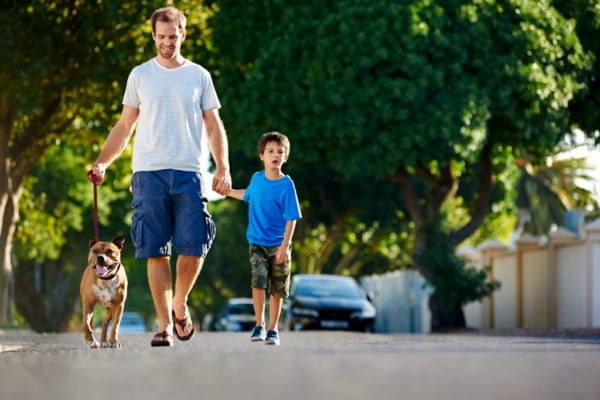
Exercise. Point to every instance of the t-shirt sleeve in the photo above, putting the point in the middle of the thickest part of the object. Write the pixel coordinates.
(291, 209)
(210, 99)
(130, 98)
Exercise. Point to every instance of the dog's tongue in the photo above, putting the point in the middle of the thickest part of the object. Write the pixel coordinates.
(101, 269)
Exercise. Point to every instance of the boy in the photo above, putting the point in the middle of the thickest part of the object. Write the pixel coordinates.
(272, 214)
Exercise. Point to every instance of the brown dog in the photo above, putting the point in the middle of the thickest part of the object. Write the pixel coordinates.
(104, 282)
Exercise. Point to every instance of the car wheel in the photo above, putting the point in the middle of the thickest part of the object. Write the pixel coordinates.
(296, 327)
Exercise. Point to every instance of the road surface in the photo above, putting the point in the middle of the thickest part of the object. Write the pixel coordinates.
(307, 366)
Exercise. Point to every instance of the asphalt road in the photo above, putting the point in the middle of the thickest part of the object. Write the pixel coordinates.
(307, 365)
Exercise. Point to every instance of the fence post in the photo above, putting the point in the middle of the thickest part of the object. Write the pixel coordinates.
(526, 240)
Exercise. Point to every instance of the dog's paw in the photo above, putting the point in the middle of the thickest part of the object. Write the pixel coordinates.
(93, 344)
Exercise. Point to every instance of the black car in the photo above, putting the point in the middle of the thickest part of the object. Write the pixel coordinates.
(328, 302)
(238, 315)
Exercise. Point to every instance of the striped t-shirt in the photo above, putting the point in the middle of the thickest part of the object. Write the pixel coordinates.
(170, 125)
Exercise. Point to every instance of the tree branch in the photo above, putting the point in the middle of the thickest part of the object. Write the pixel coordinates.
(487, 181)
(411, 199)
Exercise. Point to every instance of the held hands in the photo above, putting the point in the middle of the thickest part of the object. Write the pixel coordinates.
(222, 182)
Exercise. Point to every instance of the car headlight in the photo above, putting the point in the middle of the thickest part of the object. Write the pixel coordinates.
(368, 311)
(305, 312)
(234, 326)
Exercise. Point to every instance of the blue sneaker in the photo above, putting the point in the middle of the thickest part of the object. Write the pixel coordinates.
(272, 338)
(258, 334)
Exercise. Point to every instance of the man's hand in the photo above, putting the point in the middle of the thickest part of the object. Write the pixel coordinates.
(96, 174)
(222, 182)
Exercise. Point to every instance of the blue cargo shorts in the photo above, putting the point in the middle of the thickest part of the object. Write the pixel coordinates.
(169, 208)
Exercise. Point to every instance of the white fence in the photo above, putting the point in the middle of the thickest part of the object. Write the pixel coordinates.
(400, 300)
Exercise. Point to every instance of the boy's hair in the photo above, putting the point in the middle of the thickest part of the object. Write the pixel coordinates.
(278, 137)
(168, 14)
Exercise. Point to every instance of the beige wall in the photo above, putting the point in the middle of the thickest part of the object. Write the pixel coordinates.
(505, 298)
(551, 283)
(535, 284)
(571, 287)
(545, 283)
(595, 277)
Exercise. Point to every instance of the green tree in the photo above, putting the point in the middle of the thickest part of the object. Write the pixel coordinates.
(64, 79)
(585, 108)
(51, 243)
(47, 94)
(546, 191)
(426, 95)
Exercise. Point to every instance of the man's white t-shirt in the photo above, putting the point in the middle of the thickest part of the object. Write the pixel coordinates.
(170, 126)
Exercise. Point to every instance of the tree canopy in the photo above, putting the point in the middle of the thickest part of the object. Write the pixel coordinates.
(62, 78)
(405, 118)
(425, 95)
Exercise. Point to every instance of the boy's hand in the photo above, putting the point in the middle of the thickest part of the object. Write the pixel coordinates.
(281, 256)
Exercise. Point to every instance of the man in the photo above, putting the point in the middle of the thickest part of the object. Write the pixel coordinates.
(170, 101)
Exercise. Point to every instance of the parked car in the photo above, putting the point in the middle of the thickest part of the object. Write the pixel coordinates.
(328, 302)
(131, 322)
(238, 315)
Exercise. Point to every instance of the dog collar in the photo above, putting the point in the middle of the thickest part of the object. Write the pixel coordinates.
(108, 278)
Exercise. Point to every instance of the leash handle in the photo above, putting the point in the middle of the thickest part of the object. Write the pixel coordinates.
(92, 178)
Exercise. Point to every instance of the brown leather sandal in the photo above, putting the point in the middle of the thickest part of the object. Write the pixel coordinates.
(162, 339)
(186, 321)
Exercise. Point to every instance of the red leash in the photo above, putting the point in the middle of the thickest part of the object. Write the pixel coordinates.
(92, 179)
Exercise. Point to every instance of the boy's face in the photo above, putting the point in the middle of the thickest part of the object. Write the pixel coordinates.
(274, 156)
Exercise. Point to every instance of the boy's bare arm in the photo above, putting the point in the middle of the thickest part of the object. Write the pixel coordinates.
(282, 251)
(237, 193)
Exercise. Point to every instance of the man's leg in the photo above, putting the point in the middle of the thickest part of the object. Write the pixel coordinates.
(188, 270)
(161, 287)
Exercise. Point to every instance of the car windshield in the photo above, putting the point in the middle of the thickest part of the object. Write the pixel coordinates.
(329, 288)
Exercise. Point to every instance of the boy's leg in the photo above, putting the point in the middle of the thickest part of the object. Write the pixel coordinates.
(274, 312)
(259, 299)
(279, 289)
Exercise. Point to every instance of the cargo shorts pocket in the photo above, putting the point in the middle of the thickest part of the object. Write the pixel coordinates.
(137, 223)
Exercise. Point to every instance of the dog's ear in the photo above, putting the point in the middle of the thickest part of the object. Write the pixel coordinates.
(118, 241)
(92, 240)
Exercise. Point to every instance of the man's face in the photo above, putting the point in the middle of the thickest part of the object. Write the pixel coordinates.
(167, 38)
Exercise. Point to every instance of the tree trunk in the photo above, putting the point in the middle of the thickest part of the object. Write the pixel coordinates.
(445, 315)
(47, 298)
(9, 216)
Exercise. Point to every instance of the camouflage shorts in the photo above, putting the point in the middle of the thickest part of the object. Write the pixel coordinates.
(266, 274)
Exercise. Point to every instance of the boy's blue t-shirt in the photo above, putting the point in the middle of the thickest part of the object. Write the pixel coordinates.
(271, 204)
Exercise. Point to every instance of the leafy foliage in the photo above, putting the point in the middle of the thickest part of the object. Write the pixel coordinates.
(403, 116)
(62, 102)
(434, 97)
